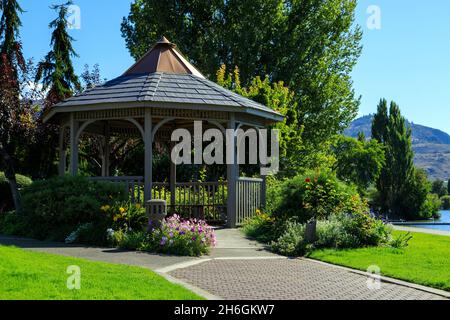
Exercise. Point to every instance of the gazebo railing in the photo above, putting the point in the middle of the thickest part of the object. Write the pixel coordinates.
(199, 199)
(134, 186)
(192, 199)
(195, 199)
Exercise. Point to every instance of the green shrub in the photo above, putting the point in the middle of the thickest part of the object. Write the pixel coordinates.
(56, 207)
(135, 240)
(314, 195)
(6, 201)
(89, 234)
(401, 241)
(292, 240)
(12, 224)
(351, 231)
(445, 202)
(260, 227)
(430, 208)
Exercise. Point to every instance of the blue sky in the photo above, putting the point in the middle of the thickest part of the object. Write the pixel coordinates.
(407, 60)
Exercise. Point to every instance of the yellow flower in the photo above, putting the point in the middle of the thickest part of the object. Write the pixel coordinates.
(122, 210)
(138, 206)
(258, 212)
(105, 208)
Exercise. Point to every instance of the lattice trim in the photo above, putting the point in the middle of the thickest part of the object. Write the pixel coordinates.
(156, 112)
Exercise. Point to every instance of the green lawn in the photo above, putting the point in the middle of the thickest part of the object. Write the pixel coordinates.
(31, 275)
(425, 261)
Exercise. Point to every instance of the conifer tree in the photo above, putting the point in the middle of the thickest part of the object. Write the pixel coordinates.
(56, 71)
(58, 78)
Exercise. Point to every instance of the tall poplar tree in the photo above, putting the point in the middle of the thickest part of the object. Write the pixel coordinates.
(402, 191)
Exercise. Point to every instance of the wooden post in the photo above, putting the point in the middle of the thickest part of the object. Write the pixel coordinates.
(106, 152)
(148, 166)
(263, 192)
(173, 180)
(232, 174)
(73, 145)
(62, 152)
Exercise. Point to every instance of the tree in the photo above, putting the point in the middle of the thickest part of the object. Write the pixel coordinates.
(402, 188)
(11, 48)
(358, 161)
(310, 45)
(56, 70)
(448, 186)
(11, 63)
(58, 78)
(277, 97)
(91, 78)
(438, 187)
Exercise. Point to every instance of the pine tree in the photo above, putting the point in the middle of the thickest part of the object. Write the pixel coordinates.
(56, 71)
(57, 74)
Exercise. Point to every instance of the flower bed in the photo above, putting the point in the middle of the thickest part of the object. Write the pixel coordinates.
(174, 236)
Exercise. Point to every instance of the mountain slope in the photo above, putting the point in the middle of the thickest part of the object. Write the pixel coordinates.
(431, 146)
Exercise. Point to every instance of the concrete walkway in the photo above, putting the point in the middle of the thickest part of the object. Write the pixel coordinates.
(242, 269)
(423, 230)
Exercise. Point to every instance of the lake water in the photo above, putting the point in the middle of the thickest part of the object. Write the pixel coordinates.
(445, 218)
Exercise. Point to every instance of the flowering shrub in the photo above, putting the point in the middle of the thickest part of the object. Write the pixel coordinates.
(260, 227)
(174, 236)
(126, 215)
(182, 237)
(314, 195)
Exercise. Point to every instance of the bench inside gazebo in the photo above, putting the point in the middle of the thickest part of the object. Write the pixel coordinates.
(158, 94)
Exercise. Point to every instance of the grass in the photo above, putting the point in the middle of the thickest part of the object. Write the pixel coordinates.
(26, 275)
(425, 261)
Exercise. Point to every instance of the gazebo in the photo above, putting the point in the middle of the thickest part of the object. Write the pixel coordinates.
(159, 93)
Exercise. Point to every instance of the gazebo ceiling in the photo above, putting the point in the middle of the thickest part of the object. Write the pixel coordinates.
(163, 78)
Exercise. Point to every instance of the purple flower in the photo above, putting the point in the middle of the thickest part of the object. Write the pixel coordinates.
(163, 241)
(194, 238)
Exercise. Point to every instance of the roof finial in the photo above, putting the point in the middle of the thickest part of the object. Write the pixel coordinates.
(164, 40)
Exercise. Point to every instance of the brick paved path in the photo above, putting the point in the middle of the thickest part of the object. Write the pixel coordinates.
(290, 279)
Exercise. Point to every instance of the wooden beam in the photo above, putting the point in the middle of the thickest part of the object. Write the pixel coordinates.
(232, 175)
(106, 151)
(62, 152)
(73, 145)
(173, 180)
(148, 166)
